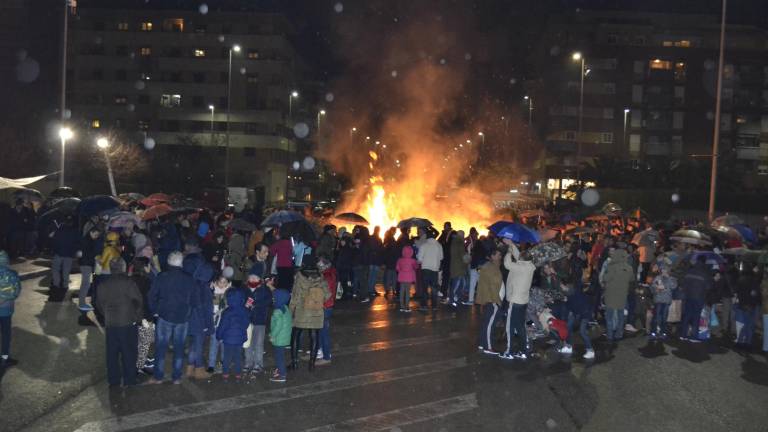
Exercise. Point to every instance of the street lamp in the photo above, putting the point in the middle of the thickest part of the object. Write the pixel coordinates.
(530, 111)
(213, 111)
(103, 144)
(624, 137)
(718, 102)
(294, 95)
(319, 114)
(65, 134)
(579, 58)
(234, 48)
(482, 138)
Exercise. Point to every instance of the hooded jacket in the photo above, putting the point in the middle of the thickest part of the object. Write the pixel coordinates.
(430, 255)
(201, 316)
(261, 299)
(233, 328)
(519, 278)
(617, 279)
(406, 266)
(281, 324)
(90, 249)
(109, 252)
(310, 292)
(10, 286)
(458, 263)
(489, 283)
(66, 241)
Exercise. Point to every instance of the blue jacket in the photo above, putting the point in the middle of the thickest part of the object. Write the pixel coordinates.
(9, 280)
(259, 268)
(201, 316)
(233, 328)
(580, 304)
(262, 300)
(172, 295)
(66, 242)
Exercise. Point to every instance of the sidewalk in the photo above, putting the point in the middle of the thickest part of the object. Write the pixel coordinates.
(31, 268)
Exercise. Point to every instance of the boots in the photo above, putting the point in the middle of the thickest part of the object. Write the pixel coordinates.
(201, 374)
(190, 373)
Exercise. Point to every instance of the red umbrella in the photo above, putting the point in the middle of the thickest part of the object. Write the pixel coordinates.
(155, 199)
(156, 211)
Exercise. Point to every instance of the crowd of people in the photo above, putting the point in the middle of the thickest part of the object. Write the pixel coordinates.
(219, 296)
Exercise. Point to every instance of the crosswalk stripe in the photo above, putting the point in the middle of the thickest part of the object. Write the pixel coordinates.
(404, 416)
(200, 409)
(397, 343)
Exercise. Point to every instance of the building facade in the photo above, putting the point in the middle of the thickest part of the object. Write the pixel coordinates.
(160, 77)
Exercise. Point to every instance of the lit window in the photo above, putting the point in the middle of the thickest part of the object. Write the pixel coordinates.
(170, 100)
(173, 24)
(680, 71)
(122, 26)
(683, 44)
(660, 64)
(120, 100)
(199, 53)
(668, 43)
(145, 51)
(146, 26)
(606, 137)
(253, 54)
(95, 123)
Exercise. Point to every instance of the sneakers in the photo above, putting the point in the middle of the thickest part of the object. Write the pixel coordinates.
(210, 370)
(365, 300)
(507, 356)
(225, 377)
(521, 356)
(85, 307)
(630, 328)
(490, 352)
(565, 349)
(277, 379)
(454, 304)
(652, 336)
(467, 303)
(589, 355)
(176, 381)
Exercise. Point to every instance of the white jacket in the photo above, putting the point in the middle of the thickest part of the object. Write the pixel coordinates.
(430, 254)
(519, 278)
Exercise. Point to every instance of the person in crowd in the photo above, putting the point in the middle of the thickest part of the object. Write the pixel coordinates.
(258, 300)
(21, 224)
(555, 291)
(747, 308)
(458, 268)
(10, 289)
(259, 265)
(490, 285)
(618, 279)
(375, 261)
(345, 259)
(300, 250)
(200, 322)
(90, 247)
(309, 295)
(282, 250)
(764, 309)
(233, 332)
(169, 241)
(218, 288)
(406, 268)
(141, 273)
(391, 255)
(327, 242)
(65, 244)
(329, 274)
(445, 242)
(215, 250)
(236, 256)
(171, 299)
(280, 333)
(122, 305)
(579, 314)
(518, 288)
(661, 288)
(473, 247)
(695, 284)
(430, 257)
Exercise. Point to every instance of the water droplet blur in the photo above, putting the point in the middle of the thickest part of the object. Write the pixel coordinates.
(513, 81)
(338, 7)
(551, 423)
(27, 70)
(203, 8)
(139, 85)
(467, 56)
(329, 97)
(554, 51)
(590, 197)
(149, 143)
(308, 163)
(710, 115)
(296, 165)
(242, 71)
(301, 130)
(130, 107)
(67, 113)
(98, 40)
(442, 61)
(394, 74)
(675, 197)
(221, 38)
(709, 64)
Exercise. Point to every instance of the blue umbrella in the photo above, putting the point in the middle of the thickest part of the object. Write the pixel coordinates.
(98, 204)
(499, 225)
(280, 217)
(746, 233)
(519, 233)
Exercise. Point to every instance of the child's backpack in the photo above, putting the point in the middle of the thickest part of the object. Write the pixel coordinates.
(10, 287)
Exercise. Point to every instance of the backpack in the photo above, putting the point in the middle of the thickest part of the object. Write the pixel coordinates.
(315, 297)
(10, 287)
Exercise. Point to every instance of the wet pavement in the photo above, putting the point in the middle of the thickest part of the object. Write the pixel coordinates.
(391, 372)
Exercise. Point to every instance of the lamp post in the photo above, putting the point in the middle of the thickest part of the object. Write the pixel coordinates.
(319, 114)
(293, 95)
(213, 111)
(352, 136)
(482, 138)
(530, 112)
(624, 137)
(103, 144)
(578, 57)
(716, 138)
(65, 134)
(235, 48)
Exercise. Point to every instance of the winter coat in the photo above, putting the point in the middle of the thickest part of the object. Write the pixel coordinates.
(662, 287)
(258, 268)
(236, 255)
(330, 278)
(10, 286)
(345, 258)
(430, 255)
(143, 283)
(120, 301)
(201, 316)
(489, 283)
(109, 252)
(90, 249)
(406, 266)
(214, 252)
(375, 252)
(281, 323)
(519, 278)
(261, 301)
(66, 242)
(748, 291)
(233, 328)
(392, 253)
(618, 279)
(283, 250)
(458, 262)
(326, 246)
(696, 282)
(310, 291)
(172, 296)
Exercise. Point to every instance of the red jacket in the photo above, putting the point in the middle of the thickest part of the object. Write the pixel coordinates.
(330, 278)
(560, 327)
(283, 249)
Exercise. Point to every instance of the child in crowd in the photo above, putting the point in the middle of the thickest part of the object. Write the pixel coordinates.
(219, 287)
(406, 275)
(258, 299)
(280, 332)
(661, 287)
(233, 332)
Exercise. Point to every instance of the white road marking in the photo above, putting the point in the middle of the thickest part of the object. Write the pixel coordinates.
(404, 416)
(200, 409)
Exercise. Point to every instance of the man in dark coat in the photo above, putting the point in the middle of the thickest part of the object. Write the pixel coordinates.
(696, 283)
(65, 244)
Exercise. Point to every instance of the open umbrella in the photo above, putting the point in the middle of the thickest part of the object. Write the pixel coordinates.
(547, 234)
(646, 237)
(124, 219)
(64, 192)
(131, 196)
(745, 232)
(281, 217)
(351, 217)
(691, 237)
(748, 255)
(711, 257)
(98, 204)
(579, 231)
(28, 194)
(519, 233)
(546, 252)
(155, 199)
(533, 213)
(612, 209)
(498, 226)
(414, 222)
(241, 225)
(726, 220)
(156, 211)
(299, 229)
(51, 217)
(68, 205)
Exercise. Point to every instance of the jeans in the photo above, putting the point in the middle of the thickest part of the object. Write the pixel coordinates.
(122, 350)
(474, 276)
(748, 317)
(405, 295)
(279, 352)
(490, 313)
(689, 322)
(457, 289)
(5, 333)
(429, 277)
(390, 280)
(325, 334)
(516, 327)
(614, 323)
(660, 314)
(165, 332)
(373, 272)
(195, 355)
(765, 332)
(213, 351)
(60, 269)
(727, 321)
(232, 354)
(583, 322)
(359, 281)
(86, 272)
(254, 354)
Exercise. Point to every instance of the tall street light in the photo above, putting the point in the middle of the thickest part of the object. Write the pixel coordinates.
(235, 48)
(352, 136)
(482, 138)
(579, 58)
(65, 134)
(716, 138)
(319, 114)
(103, 144)
(293, 95)
(213, 111)
(624, 137)
(63, 101)
(530, 111)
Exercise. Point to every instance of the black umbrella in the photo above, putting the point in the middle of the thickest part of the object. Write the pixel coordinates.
(414, 222)
(54, 216)
(241, 225)
(64, 192)
(67, 204)
(299, 229)
(281, 217)
(97, 204)
(28, 194)
(351, 217)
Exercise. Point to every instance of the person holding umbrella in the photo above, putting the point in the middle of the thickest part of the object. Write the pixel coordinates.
(91, 246)
(518, 290)
(65, 244)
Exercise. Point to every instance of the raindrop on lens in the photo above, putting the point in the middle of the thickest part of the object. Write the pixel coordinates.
(710, 116)
(329, 97)
(149, 143)
(296, 165)
(308, 163)
(27, 70)
(203, 8)
(675, 197)
(512, 81)
(301, 130)
(67, 113)
(338, 7)
(442, 61)
(242, 71)
(467, 56)
(590, 197)
(221, 38)
(130, 107)
(139, 85)
(394, 74)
